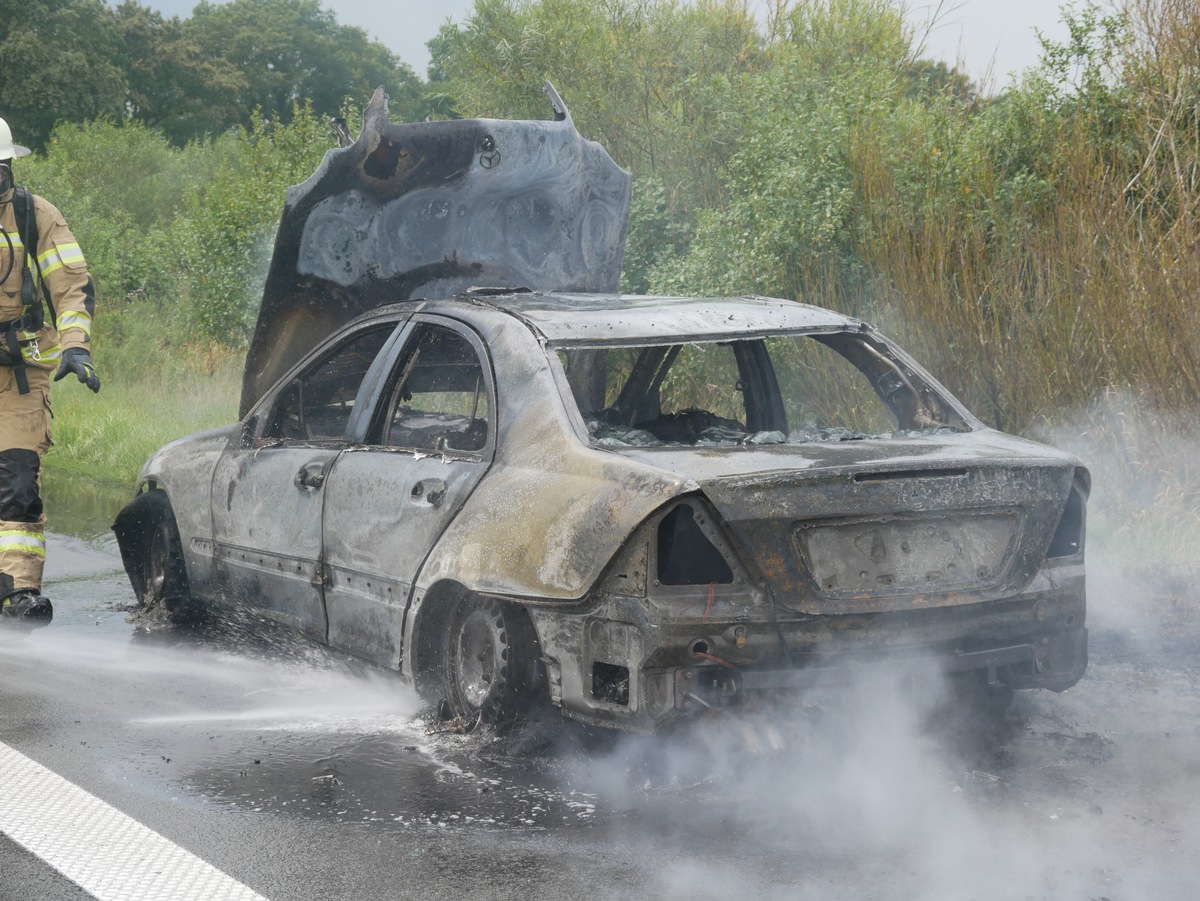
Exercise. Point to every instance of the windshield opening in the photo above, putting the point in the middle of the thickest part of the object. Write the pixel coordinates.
(788, 389)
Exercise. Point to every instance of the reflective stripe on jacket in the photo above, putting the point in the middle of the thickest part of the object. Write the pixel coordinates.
(63, 269)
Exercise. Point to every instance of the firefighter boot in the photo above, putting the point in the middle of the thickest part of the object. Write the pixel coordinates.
(24, 604)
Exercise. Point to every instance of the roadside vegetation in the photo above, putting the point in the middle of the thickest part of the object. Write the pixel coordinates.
(1035, 243)
(178, 240)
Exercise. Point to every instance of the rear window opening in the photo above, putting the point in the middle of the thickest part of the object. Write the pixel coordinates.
(788, 389)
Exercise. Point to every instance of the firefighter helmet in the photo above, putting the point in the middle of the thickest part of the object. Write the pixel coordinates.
(8, 149)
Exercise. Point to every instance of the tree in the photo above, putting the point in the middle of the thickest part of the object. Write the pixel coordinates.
(59, 64)
(658, 84)
(79, 60)
(830, 103)
(173, 85)
(293, 51)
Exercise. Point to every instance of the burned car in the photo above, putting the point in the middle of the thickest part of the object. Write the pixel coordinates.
(638, 508)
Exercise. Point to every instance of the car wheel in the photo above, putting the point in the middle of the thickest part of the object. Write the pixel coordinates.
(162, 585)
(490, 661)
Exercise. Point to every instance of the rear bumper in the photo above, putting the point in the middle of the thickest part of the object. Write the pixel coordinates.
(617, 664)
(1054, 661)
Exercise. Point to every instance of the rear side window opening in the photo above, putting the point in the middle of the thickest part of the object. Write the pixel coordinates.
(788, 389)
(439, 399)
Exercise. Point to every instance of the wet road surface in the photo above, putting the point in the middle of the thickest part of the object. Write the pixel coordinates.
(301, 773)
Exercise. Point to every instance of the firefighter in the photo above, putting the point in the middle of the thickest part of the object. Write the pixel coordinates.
(46, 306)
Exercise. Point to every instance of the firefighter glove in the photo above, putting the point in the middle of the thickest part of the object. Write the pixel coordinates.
(78, 361)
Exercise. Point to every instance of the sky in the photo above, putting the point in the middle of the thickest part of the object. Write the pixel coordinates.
(987, 35)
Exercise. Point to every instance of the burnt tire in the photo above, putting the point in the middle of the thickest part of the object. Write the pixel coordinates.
(153, 556)
(490, 669)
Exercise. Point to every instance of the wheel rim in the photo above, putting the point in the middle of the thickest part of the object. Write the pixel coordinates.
(479, 659)
(156, 562)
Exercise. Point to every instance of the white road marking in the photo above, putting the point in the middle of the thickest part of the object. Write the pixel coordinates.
(103, 851)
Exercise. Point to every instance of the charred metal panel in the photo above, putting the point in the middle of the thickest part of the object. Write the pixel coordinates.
(813, 535)
(267, 523)
(552, 511)
(383, 513)
(576, 319)
(428, 209)
(596, 663)
(365, 613)
(614, 651)
(1033, 639)
(895, 460)
(901, 555)
(184, 469)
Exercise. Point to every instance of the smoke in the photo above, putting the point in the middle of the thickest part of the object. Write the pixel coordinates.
(894, 788)
(867, 793)
(1143, 531)
(890, 788)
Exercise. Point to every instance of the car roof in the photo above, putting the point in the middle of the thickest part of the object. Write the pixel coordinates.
(565, 319)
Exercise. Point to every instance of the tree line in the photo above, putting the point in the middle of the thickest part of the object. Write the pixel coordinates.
(1038, 244)
(82, 60)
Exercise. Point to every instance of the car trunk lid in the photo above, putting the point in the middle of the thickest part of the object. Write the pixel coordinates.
(877, 526)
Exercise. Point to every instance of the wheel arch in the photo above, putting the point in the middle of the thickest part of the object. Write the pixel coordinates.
(431, 615)
(147, 533)
(430, 618)
(132, 527)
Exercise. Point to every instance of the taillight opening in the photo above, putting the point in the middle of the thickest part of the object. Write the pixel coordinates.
(1068, 537)
(686, 555)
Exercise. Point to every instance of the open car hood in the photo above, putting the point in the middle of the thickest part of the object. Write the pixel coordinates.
(429, 209)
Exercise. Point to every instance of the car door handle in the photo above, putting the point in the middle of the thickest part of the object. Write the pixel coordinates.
(311, 475)
(428, 492)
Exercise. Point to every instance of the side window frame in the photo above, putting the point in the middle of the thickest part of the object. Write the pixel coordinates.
(259, 420)
(381, 412)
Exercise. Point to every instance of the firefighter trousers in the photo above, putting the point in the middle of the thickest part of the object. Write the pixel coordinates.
(24, 438)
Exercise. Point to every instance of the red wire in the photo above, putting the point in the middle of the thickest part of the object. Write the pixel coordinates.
(712, 590)
(714, 659)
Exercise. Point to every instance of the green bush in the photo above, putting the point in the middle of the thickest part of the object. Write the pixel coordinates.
(659, 84)
(177, 240)
(792, 223)
(223, 241)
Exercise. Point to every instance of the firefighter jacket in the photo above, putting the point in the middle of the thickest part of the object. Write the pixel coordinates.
(64, 273)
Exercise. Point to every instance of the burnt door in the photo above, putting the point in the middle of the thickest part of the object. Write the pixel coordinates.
(268, 492)
(387, 502)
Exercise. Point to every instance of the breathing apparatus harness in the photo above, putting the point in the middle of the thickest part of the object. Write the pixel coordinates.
(5, 184)
(33, 313)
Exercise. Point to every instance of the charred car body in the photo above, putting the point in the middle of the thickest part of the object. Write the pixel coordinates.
(638, 507)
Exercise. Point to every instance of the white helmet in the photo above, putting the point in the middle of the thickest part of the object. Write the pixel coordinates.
(8, 149)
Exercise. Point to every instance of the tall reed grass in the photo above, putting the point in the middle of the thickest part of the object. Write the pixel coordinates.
(1070, 309)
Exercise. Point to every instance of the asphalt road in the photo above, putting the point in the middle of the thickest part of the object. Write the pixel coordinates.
(228, 764)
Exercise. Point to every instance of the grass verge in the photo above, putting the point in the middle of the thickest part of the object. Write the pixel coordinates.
(154, 390)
